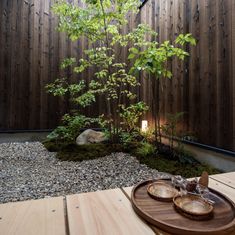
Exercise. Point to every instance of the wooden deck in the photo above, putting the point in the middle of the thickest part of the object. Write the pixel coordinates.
(106, 212)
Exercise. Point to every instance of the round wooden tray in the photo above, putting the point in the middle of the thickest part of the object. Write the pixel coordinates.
(164, 216)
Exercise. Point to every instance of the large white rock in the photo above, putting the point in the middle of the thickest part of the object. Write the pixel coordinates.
(90, 136)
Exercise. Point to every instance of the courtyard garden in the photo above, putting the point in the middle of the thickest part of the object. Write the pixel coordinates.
(114, 103)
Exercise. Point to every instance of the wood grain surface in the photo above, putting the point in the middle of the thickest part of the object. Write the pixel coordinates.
(164, 216)
(104, 213)
(226, 178)
(34, 217)
(219, 186)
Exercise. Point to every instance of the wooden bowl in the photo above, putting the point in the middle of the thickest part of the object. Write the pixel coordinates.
(193, 205)
(162, 191)
(164, 215)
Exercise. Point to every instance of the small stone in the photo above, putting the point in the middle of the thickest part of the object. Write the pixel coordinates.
(90, 136)
(29, 171)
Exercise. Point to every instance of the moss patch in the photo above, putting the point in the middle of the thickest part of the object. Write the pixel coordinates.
(55, 146)
(175, 167)
(72, 152)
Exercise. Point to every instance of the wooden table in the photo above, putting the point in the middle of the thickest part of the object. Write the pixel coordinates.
(107, 212)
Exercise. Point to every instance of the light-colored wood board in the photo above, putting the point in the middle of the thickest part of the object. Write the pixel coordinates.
(224, 189)
(104, 213)
(128, 191)
(226, 178)
(34, 217)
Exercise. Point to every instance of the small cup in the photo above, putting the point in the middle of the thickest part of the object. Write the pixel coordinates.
(204, 192)
(180, 183)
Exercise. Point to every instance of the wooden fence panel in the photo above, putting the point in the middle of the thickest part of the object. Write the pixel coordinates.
(203, 87)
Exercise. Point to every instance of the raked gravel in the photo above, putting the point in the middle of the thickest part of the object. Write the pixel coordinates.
(29, 171)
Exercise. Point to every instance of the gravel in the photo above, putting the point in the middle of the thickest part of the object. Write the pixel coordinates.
(29, 171)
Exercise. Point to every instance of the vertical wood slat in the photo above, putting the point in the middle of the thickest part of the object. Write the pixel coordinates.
(194, 97)
(225, 79)
(23, 83)
(10, 68)
(209, 107)
(44, 61)
(233, 69)
(53, 66)
(203, 76)
(35, 66)
(3, 20)
(212, 16)
(31, 51)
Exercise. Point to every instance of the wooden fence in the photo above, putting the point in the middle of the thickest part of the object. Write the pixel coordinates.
(203, 87)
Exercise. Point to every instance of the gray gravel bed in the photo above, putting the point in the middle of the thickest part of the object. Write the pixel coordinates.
(29, 171)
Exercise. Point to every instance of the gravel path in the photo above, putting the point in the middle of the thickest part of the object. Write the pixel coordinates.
(29, 171)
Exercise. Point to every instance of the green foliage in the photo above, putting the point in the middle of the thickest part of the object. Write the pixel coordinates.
(153, 59)
(127, 138)
(101, 21)
(173, 166)
(187, 38)
(58, 88)
(145, 150)
(71, 127)
(89, 21)
(148, 136)
(132, 114)
(67, 62)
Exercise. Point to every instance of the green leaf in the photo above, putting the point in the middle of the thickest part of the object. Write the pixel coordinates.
(131, 56)
(134, 50)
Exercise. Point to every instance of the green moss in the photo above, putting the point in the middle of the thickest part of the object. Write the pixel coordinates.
(55, 146)
(175, 167)
(71, 152)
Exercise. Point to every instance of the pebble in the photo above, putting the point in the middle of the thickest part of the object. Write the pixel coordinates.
(29, 171)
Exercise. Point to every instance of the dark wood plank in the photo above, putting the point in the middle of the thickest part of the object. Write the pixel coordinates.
(233, 68)
(203, 87)
(3, 43)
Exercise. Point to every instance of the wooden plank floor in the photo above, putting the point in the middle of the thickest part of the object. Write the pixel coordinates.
(107, 212)
(36, 217)
(103, 212)
(226, 178)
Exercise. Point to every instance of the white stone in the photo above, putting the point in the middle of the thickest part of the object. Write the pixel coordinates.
(90, 136)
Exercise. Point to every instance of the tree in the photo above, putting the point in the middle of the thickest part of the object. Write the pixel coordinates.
(101, 21)
(153, 59)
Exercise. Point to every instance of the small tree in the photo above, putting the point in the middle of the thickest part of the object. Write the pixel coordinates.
(101, 21)
(153, 59)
